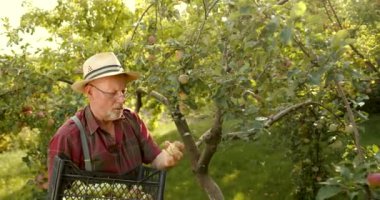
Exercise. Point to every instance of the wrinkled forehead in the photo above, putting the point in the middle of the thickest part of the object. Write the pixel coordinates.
(113, 82)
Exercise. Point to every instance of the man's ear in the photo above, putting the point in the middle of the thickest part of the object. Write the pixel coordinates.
(87, 91)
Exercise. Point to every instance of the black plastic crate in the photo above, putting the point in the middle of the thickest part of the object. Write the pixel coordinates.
(71, 183)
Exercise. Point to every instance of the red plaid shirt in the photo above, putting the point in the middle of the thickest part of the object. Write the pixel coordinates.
(116, 155)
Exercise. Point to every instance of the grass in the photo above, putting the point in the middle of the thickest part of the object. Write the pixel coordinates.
(243, 170)
(371, 133)
(14, 174)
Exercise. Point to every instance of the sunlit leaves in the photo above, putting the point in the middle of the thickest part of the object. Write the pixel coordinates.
(298, 9)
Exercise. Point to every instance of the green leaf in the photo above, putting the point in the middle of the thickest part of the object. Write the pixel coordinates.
(339, 38)
(353, 195)
(375, 148)
(272, 25)
(328, 191)
(315, 77)
(298, 9)
(286, 35)
(245, 10)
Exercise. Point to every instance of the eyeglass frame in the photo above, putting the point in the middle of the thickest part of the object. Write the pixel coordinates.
(111, 94)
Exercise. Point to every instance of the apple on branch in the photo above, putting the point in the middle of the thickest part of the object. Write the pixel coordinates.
(373, 179)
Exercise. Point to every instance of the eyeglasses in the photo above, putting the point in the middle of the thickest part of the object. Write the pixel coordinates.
(111, 94)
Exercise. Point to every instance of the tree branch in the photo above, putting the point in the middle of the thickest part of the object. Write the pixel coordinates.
(207, 12)
(181, 124)
(211, 142)
(305, 51)
(139, 104)
(335, 15)
(12, 91)
(275, 117)
(327, 12)
(140, 19)
(282, 2)
(351, 119)
(366, 61)
(256, 96)
(203, 137)
(114, 27)
(65, 81)
(239, 135)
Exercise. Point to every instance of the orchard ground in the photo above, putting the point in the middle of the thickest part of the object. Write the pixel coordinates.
(243, 169)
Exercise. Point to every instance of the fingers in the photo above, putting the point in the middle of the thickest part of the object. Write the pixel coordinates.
(179, 145)
(166, 144)
(170, 161)
(174, 152)
(176, 144)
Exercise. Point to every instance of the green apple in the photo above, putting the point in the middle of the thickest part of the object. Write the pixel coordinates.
(333, 127)
(183, 78)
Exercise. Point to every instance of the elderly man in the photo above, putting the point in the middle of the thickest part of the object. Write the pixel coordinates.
(114, 139)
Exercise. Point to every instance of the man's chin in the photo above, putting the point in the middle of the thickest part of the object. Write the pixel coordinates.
(115, 115)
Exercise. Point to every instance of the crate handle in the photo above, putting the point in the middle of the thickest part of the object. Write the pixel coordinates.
(147, 177)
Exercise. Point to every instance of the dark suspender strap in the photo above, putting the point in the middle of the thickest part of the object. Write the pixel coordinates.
(135, 125)
(86, 152)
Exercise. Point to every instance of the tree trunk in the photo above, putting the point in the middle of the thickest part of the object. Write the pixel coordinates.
(199, 164)
(211, 188)
(199, 161)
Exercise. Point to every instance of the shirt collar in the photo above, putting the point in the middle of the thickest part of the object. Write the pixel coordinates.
(92, 124)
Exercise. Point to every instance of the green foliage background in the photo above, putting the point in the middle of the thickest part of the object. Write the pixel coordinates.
(251, 58)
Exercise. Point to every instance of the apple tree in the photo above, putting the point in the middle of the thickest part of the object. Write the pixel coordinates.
(297, 68)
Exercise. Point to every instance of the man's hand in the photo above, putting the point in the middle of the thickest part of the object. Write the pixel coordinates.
(170, 155)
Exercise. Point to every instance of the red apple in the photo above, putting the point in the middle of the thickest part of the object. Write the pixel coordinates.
(27, 110)
(373, 179)
(182, 96)
(151, 39)
(178, 54)
(41, 114)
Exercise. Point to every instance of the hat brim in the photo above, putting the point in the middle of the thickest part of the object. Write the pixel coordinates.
(79, 85)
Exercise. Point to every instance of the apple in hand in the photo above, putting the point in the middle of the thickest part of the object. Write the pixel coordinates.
(373, 179)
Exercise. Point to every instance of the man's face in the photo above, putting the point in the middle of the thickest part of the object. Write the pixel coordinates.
(107, 96)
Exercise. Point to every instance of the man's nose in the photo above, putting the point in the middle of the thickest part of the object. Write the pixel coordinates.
(120, 97)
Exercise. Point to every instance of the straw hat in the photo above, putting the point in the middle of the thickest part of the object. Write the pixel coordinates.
(101, 65)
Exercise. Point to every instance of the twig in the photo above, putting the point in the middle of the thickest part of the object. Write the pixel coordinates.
(257, 97)
(114, 27)
(335, 15)
(275, 117)
(367, 62)
(139, 104)
(203, 137)
(65, 81)
(140, 19)
(327, 12)
(207, 12)
(282, 2)
(239, 134)
(161, 98)
(12, 91)
(351, 119)
(304, 50)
